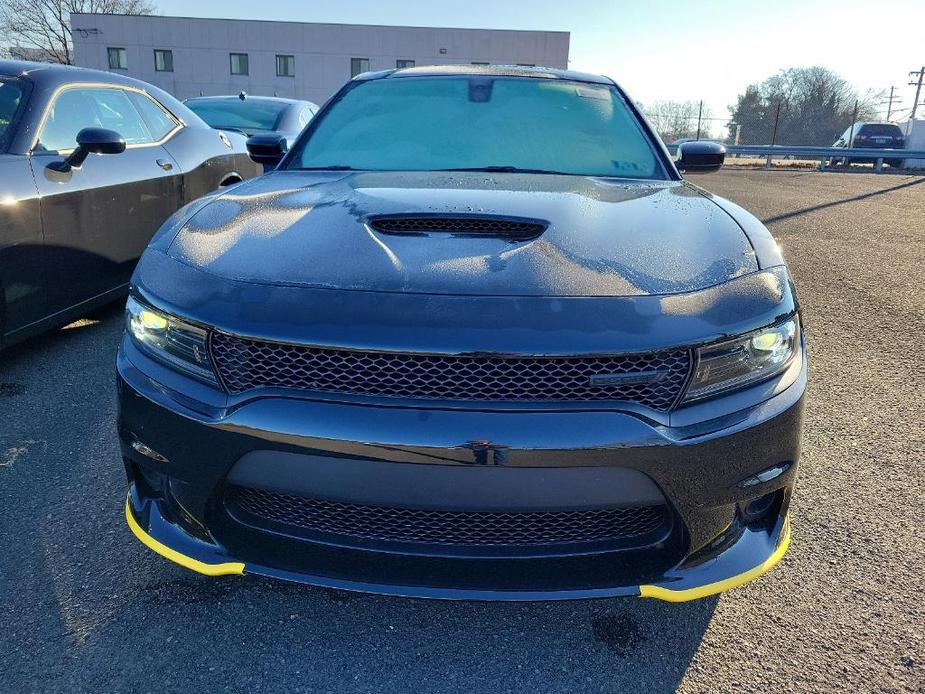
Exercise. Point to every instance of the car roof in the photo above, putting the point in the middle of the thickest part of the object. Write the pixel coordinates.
(248, 97)
(54, 74)
(47, 78)
(488, 71)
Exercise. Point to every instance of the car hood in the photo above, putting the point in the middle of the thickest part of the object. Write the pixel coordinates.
(604, 237)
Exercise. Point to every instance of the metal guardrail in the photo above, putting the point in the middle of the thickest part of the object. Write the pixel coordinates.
(821, 153)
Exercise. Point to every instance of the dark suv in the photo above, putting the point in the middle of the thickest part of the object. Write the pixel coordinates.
(873, 136)
(475, 337)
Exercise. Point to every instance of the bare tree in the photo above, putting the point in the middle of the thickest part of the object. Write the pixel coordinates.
(816, 105)
(677, 119)
(45, 25)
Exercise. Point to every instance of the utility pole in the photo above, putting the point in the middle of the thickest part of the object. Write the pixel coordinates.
(774, 134)
(919, 77)
(699, 115)
(854, 119)
(890, 101)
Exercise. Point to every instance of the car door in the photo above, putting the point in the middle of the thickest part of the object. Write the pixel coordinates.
(22, 266)
(99, 217)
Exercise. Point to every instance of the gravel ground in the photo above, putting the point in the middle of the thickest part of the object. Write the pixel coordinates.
(84, 607)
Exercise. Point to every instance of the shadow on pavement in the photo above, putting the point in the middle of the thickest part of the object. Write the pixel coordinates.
(834, 203)
(56, 338)
(282, 637)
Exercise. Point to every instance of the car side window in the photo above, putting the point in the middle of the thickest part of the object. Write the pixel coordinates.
(158, 120)
(118, 113)
(304, 116)
(76, 109)
(71, 112)
(11, 98)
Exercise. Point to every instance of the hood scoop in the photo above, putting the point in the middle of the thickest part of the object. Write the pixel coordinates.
(513, 228)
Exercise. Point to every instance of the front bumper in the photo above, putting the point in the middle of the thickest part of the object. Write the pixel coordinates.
(181, 461)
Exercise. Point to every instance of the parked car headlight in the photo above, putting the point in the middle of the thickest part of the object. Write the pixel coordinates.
(169, 339)
(744, 361)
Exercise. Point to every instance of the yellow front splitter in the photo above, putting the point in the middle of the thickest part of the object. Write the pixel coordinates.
(683, 595)
(645, 591)
(224, 569)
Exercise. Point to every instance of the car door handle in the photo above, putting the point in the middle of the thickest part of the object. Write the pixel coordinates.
(164, 164)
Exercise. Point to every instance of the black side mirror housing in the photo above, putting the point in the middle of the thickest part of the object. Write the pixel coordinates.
(700, 157)
(91, 141)
(267, 149)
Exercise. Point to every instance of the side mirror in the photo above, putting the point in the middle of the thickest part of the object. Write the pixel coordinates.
(91, 141)
(267, 149)
(700, 157)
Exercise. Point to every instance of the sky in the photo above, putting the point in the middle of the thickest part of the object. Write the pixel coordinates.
(660, 49)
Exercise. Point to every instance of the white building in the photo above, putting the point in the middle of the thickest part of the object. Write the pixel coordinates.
(915, 139)
(191, 56)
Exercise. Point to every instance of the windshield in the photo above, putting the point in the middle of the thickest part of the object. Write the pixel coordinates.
(875, 129)
(239, 115)
(11, 98)
(493, 123)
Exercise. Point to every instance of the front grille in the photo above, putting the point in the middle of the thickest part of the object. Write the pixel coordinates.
(437, 527)
(654, 380)
(470, 226)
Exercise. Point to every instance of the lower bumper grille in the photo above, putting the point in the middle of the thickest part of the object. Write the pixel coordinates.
(457, 528)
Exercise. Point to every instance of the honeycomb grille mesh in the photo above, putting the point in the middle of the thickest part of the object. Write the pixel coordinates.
(485, 226)
(439, 527)
(653, 379)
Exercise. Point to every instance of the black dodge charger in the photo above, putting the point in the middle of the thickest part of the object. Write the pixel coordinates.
(474, 338)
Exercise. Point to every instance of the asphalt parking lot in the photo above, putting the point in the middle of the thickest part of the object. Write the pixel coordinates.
(85, 607)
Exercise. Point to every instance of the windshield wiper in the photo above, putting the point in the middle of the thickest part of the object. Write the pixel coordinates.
(507, 169)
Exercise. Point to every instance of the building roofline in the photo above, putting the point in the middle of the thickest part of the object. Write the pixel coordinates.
(333, 24)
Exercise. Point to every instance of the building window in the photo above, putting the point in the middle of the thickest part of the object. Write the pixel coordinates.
(163, 60)
(117, 59)
(238, 63)
(526, 64)
(475, 63)
(358, 65)
(285, 66)
(404, 63)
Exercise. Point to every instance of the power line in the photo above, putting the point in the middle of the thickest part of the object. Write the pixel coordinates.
(889, 102)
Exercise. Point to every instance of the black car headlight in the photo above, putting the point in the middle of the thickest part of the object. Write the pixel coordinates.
(745, 360)
(169, 340)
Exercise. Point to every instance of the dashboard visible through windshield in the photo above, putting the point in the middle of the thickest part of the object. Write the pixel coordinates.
(481, 123)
